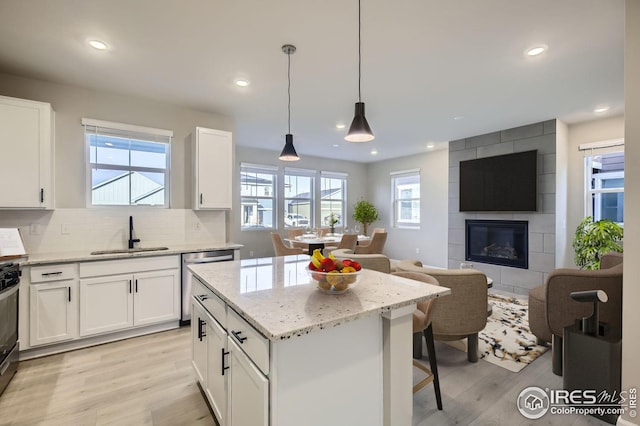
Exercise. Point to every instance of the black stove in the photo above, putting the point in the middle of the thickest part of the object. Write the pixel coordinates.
(9, 346)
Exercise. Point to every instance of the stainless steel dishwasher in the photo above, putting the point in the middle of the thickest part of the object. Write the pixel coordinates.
(187, 276)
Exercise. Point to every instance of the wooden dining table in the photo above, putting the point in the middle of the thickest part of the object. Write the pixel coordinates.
(310, 242)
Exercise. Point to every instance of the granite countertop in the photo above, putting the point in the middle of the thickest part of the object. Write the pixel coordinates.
(85, 255)
(276, 295)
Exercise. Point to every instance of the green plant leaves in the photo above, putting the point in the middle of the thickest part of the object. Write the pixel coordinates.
(593, 239)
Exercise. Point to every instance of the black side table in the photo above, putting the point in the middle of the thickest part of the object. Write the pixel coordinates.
(592, 362)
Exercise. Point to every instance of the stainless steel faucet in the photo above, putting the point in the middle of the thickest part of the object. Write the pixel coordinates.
(131, 239)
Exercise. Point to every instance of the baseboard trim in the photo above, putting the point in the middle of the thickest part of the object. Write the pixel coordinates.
(37, 352)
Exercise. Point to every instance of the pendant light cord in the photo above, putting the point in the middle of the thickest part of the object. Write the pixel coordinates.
(359, 53)
(289, 89)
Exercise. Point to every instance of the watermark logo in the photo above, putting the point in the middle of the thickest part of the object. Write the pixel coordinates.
(533, 402)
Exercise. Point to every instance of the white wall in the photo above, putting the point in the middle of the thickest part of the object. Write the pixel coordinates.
(591, 131)
(562, 188)
(72, 103)
(431, 239)
(258, 242)
(631, 289)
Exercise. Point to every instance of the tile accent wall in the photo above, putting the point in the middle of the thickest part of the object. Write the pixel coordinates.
(540, 136)
(108, 228)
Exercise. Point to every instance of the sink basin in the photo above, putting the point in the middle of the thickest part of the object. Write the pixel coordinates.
(133, 250)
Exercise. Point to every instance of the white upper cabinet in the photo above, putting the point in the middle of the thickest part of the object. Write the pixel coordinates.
(27, 146)
(213, 169)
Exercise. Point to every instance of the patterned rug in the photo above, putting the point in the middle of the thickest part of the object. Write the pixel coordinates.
(506, 341)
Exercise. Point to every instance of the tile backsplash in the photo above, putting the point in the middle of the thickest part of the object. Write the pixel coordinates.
(108, 228)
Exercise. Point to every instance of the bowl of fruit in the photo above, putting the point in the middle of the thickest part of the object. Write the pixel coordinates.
(333, 276)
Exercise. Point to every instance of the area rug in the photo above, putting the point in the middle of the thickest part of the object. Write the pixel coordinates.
(506, 341)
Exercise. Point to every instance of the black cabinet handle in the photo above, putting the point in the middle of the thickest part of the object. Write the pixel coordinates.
(136, 286)
(201, 332)
(48, 274)
(202, 297)
(130, 291)
(69, 288)
(201, 198)
(237, 334)
(223, 355)
(42, 195)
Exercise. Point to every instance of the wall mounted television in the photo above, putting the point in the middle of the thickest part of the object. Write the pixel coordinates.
(501, 183)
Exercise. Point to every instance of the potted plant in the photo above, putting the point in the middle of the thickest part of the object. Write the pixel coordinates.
(365, 213)
(593, 239)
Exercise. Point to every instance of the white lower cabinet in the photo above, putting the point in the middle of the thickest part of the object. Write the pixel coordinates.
(53, 312)
(248, 390)
(111, 302)
(237, 390)
(106, 304)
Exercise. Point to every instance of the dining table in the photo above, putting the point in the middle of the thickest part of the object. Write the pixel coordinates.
(310, 242)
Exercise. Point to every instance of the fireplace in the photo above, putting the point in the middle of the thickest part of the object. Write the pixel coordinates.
(498, 242)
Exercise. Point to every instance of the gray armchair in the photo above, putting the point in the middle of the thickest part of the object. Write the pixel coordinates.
(463, 313)
(551, 307)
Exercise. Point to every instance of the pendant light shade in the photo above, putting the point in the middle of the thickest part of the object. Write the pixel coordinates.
(289, 152)
(359, 130)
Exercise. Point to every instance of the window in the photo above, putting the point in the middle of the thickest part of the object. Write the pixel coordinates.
(128, 165)
(604, 186)
(406, 198)
(257, 196)
(333, 193)
(298, 198)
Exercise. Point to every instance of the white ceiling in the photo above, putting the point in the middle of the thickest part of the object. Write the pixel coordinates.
(424, 62)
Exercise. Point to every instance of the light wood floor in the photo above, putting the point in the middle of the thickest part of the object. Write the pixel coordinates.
(149, 381)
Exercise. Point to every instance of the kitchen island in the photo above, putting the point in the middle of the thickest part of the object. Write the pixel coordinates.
(271, 349)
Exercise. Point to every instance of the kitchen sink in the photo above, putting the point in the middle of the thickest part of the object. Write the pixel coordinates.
(133, 250)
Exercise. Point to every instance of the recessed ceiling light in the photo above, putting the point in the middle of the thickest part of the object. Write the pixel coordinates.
(340, 126)
(241, 82)
(374, 152)
(601, 109)
(458, 117)
(108, 144)
(335, 145)
(430, 146)
(536, 50)
(98, 45)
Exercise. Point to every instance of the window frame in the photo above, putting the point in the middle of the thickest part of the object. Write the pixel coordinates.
(311, 174)
(593, 194)
(261, 169)
(343, 200)
(396, 222)
(144, 134)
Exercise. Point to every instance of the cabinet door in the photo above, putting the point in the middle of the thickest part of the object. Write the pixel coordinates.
(217, 369)
(199, 343)
(106, 304)
(156, 296)
(53, 312)
(213, 169)
(26, 138)
(248, 391)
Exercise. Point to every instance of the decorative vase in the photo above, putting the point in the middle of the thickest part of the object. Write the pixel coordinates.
(332, 229)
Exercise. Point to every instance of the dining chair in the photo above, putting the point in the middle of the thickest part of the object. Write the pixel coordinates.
(348, 241)
(294, 232)
(378, 239)
(422, 326)
(375, 231)
(281, 248)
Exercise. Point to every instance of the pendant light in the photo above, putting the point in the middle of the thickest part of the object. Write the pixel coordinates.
(359, 130)
(289, 152)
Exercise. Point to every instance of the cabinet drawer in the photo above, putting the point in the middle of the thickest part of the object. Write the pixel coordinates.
(212, 303)
(254, 344)
(48, 273)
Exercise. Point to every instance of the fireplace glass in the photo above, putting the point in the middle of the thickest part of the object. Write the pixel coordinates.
(498, 242)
